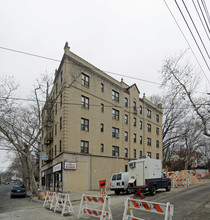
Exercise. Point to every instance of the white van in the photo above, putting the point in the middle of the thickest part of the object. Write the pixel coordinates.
(119, 182)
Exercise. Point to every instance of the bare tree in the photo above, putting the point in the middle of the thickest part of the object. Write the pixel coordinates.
(21, 127)
(182, 78)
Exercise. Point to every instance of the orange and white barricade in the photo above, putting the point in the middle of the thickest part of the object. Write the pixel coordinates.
(63, 204)
(180, 182)
(50, 199)
(95, 206)
(148, 206)
(102, 187)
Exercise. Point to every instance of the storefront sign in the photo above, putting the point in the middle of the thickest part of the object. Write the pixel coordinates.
(44, 156)
(70, 166)
(57, 168)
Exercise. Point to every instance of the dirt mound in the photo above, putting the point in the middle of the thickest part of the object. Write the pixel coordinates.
(184, 175)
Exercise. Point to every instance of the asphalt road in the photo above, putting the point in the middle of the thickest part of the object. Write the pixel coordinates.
(189, 204)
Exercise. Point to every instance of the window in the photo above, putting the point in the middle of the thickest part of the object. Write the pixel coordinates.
(140, 154)
(126, 152)
(60, 145)
(115, 132)
(60, 123)
(102, 147)
(55, 129)
(115, 96)
(126, 136)
(140, 109)
(157, 131)
(84, 147)
(126, 119)
(149, 154)
(84, 124)
(102, 87)
(157, 118)
(102, 107)
(148, 113)
(115, 114)
(149, 127)
(134, 138)
(102, 127)
(140, 125)
(149, 141)
(61, 101)
(157, 156)
(115, 151)
(157, 144)
(134, 121)
(134, 153)
(140, 139)
(134, 106)
(85, 102)
(85, 80)
(126, 102)
(55, 150)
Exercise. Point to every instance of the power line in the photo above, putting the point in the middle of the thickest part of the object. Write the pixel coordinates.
(195, 28)
(185, 39)
(203, 15)
(192, 36)
(200, 19)
(206, 9)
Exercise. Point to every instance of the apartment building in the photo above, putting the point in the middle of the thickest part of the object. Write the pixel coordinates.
(93, 126)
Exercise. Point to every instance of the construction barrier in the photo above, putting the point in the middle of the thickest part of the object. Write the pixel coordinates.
(50, 199)
(180, 182)
(63, 204)
(102, 187)
(88, 203)
(148, 206)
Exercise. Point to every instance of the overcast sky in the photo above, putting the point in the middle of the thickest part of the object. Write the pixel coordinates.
(128, 37)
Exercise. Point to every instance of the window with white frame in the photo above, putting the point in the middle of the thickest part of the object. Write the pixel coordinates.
(126, 152)
(134, 153)
(102, 147)
(157, 131)
(140, 125)
(140, 139)
(157, 156)
(157, 118)
(102, 107)
(102, 127)
(134, 121)
(157, 143)
(102, 87)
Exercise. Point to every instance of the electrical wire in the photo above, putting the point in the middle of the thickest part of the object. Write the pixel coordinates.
(186, 40)
(201, 20)
(195, 28)
(192, 36)
(206, 9)
(203, 15)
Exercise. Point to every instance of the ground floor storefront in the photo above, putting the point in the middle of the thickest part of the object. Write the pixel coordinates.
(77, 173)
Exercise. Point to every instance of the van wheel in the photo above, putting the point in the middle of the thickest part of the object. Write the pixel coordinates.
(153, 191)
(117, 192)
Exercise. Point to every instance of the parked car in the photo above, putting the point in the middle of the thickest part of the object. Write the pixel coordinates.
(119, 182)
(18, 190)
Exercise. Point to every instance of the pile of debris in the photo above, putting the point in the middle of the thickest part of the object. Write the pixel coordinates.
(185, 174)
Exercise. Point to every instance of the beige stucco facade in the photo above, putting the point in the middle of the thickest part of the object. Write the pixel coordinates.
(87, 107)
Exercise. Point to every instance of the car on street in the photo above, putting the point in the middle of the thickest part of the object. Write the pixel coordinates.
(18, 190)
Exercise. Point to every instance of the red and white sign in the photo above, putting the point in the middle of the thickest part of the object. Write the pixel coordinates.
(70, 166)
